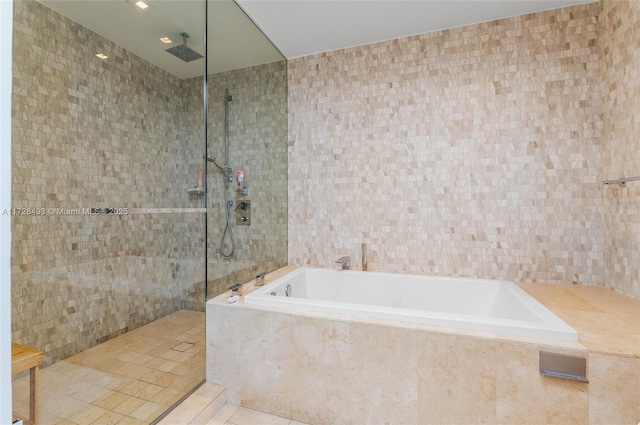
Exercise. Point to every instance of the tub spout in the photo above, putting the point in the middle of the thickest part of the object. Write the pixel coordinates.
(365, 263)
(345, 261)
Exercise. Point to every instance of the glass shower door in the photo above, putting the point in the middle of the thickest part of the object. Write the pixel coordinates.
(247, 145)
(108, 258)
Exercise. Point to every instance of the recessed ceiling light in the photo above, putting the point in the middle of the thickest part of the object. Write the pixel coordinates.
(166, 40)
(102, 56)
(142, 5)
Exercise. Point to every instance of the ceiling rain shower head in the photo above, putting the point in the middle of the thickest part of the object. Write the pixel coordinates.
(183, 52)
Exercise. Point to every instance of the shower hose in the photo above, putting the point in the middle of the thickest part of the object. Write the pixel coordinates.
(227, 227)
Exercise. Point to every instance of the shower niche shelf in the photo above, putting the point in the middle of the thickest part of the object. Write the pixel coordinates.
(196, 191)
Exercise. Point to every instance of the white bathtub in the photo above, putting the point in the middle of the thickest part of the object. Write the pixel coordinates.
(496, 306)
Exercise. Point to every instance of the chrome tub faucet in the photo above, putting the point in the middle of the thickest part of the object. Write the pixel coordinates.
(345, 261)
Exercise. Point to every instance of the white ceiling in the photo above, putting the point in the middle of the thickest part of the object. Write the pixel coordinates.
(296, 27)
(303, 27)
(234, 41)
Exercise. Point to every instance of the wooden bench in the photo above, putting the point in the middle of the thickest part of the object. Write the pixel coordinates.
(23, 358)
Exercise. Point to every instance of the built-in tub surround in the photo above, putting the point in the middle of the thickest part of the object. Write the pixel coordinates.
(471, 304)
(326, 368)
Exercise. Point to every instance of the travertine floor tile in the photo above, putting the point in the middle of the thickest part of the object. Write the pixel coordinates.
(109, 418)
(147, 412)
(88, 415)
(244, 416)
(125, 380)
(223, 415)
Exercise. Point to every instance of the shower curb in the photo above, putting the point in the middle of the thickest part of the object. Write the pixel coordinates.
(195, 408)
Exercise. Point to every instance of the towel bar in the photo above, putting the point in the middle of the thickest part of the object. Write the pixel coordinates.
(622, 181)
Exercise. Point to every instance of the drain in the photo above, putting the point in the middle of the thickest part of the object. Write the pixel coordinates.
(183, 346)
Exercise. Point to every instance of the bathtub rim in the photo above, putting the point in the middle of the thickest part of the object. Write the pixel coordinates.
(560, 330)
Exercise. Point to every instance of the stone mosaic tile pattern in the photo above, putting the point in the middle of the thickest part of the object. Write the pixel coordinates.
(473, 151)
(257, 142)
(619, 35)
(121, 133)
(90, 133)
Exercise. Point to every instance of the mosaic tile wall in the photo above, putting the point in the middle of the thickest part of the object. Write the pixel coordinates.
(119, 133)
(257, 142)
(89, 133)
(473, 151)
(619, 32)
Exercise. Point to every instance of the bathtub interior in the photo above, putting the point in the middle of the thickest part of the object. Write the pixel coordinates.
(475, 297)
(474, 304)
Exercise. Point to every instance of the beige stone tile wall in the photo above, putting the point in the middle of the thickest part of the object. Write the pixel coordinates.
(257, 142)
(90, 133)
(474, 151)
(619, 35)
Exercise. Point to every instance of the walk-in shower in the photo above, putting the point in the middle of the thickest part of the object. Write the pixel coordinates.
(115, 300)
(226, 249)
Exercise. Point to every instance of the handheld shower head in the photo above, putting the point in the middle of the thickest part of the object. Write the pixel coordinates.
(183, 52)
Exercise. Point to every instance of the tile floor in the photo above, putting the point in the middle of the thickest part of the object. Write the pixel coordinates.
(130, 379)
(235, 415)
(206, 406)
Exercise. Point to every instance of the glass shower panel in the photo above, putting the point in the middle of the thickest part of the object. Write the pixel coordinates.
(247, 137)
(108, 245)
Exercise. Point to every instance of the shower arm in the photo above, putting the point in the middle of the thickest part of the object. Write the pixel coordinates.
(226, 170)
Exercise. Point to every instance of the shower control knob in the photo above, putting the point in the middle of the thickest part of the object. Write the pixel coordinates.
(243, 205)
(243, 212)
